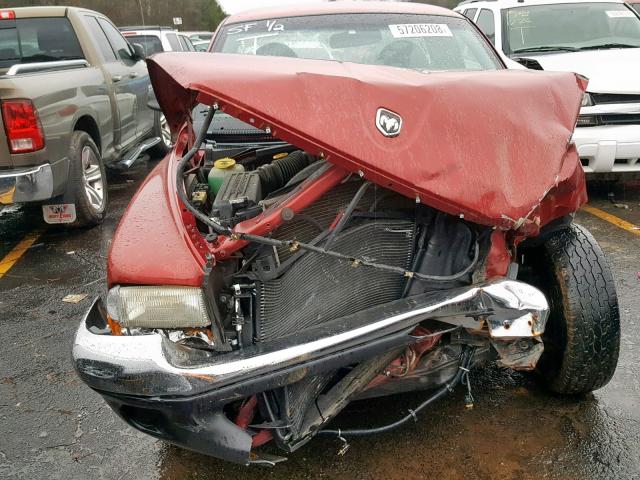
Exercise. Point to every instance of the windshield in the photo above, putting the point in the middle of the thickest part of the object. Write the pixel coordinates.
(32, 40)
(636, 6)
(570, 27)
(423, 42)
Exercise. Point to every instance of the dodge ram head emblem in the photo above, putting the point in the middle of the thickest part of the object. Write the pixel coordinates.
(388, 123)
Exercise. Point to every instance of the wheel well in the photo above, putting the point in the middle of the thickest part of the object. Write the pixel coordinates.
(89, 125)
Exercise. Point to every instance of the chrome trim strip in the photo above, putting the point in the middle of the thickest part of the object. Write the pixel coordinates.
(611, 109)
(22, 172)
(151, 365)
(41, 66)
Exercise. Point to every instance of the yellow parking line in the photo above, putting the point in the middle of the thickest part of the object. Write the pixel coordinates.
(618, 222)
(18, 251)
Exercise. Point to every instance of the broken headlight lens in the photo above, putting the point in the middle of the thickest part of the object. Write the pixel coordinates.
(158, 307)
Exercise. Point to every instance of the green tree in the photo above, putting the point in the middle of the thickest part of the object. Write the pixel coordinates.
(215, 14)
(196, 14)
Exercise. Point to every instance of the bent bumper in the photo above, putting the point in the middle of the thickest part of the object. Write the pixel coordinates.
(151, 365)
(609, 148)
(177, 393)
(23, 185)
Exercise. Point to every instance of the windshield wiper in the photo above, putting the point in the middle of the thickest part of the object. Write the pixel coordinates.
(548, 48)
(609, 45)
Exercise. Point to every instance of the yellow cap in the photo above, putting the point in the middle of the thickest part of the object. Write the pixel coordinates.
(224, 163)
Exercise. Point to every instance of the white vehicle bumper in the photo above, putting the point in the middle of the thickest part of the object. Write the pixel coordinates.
(609, 148)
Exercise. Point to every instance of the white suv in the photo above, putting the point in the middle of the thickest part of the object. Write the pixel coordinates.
(595, 38)
(158, 39)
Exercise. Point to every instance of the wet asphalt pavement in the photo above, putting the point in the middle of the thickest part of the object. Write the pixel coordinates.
(52, 426)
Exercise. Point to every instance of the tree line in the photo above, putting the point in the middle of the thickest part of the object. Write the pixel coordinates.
(195, 14)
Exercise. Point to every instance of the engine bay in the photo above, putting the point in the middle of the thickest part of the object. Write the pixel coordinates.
(269, 291)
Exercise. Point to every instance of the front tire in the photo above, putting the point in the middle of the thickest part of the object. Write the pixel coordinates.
(582, 336)
(87, 182)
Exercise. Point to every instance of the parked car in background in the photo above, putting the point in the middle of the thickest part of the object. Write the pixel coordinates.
(595, 38)
(201, 45)
(155, 39)
(397, 213)
(186, 43)
(74, 99)
(199, 36)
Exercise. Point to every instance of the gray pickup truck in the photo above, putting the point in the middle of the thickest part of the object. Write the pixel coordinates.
(74, 99)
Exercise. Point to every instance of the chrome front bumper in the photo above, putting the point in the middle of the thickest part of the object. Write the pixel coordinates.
(153, 366)
(23, 185)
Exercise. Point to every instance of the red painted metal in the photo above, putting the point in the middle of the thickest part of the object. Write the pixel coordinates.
(499, 256)
(303, 196)
(244, 418)
(260, 438)
(491, 146)
(406, 363)
(247, 412)
(157, 243)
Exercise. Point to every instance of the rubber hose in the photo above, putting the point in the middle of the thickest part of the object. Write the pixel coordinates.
(275, 175)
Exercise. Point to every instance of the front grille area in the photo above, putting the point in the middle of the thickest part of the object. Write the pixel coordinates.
(609, 119)
(317, 289)
(607, 98)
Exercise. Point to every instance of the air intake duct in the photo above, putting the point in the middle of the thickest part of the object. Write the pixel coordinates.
(276, 174)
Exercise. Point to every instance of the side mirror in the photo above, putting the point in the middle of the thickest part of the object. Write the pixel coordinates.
(139, 51)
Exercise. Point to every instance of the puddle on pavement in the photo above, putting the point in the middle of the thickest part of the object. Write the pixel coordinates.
(515, 431)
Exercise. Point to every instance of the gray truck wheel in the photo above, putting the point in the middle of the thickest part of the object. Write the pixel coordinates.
(161, 129)
(582, 337)
(87, 185)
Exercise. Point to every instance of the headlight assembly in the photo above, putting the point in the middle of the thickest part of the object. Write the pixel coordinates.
(158, 307)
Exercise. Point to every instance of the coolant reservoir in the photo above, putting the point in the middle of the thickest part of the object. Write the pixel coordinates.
(221, 170)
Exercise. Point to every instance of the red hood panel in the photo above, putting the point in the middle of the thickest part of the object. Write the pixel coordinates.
(492, 146)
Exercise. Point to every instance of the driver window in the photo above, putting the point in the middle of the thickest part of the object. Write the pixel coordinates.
(120, 46)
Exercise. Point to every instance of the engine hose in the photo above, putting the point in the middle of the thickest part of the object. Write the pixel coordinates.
(275, 175)
(347, 214)
(292, 244)
(180, 186)
(465, 362)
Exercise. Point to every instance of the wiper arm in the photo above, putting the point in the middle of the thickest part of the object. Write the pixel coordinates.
(609, 45)
(548, 48)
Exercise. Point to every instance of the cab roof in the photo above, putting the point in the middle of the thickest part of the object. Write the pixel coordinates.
(500, 4)
(55, 11)
(337, 8)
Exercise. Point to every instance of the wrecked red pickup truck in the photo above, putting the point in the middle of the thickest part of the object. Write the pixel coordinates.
(391, 229)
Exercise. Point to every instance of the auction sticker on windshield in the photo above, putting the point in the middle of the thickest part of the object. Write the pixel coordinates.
(620, 14)
(412, 30)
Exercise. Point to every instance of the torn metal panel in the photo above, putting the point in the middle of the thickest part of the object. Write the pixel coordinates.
(519, 354)
(492, 146)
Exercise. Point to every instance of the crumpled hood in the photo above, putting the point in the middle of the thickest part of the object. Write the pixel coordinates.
(492, 147)
(608, 71)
